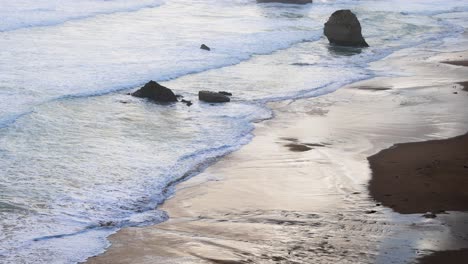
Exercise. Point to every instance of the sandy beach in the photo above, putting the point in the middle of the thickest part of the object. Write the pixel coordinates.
(298, 193)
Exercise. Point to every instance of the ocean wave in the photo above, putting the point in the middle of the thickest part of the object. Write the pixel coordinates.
(39, 13)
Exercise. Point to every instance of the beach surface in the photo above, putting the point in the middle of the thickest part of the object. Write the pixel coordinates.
(299, 192)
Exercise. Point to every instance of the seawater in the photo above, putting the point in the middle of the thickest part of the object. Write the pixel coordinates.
(80, 158)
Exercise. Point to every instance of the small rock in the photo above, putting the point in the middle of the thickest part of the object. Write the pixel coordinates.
(429, 215)
(188, 103)
(205, 47)
(212, 97)
(455, 92)
(371, 211)
(106, 223)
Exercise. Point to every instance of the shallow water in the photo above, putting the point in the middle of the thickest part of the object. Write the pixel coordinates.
(81, 159)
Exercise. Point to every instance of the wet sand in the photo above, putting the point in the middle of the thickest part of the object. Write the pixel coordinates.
(463, 63)
(464, 85)
(445, 257)
(298, 193)
(428, 177)
(422, 177)
(458, 63)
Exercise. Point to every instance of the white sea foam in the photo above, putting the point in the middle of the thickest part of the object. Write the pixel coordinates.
(26, 13)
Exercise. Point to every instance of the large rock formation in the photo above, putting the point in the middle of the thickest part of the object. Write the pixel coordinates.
(212, 97)
(156, 92)
(343, 28)
(297, 2)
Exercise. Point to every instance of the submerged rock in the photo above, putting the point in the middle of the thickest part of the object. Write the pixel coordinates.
(343, 28)
(156, 92)
(297, 2)
(205, 47)
(212, 97)
(429, 215)
(187, 102)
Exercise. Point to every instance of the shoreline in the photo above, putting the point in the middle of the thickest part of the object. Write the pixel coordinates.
(298, 191)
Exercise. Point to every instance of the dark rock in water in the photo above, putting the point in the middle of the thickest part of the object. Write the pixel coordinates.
(301, 64)
(371, 211)
(154, 91)
(429, 215)
(205, 47)
(178, 96)
(297, 2)
(225, 93)
(188, 103)
(212, 97)
(343, 28)
(107, 224)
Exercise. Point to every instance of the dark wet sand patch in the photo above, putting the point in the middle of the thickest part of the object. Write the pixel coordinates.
(298, 147)
(464, 85)
(314, 144)
(458, 63)
(218, 261)
(372, 88)
(445, 257)
(289, 139)
(430, 176)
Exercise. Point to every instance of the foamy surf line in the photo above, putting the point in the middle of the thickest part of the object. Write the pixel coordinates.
(168, 74)
(45, 13)
(95, 234)
(456, 30)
